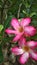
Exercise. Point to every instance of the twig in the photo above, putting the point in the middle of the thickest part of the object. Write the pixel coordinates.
(2, 9)
(19, 10)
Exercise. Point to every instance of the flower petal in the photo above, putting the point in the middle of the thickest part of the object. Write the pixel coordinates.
(33, 55)
(17, 51)
(17, 37)
(9, 31)
(25, 21)
(22, 41)
(15, 23)
(24, 58)
(36, 43)
(30, 30)
(32, 44)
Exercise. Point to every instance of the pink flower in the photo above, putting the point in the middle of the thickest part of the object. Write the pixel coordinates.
(26, 50)
(21, 28)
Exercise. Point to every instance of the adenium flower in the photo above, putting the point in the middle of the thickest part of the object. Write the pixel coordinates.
(25, 50)
(21, 28)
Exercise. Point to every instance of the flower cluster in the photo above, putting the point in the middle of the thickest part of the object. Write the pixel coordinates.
(22, 29)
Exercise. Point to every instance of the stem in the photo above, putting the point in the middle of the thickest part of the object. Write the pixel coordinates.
(2, 9)
(18, 15)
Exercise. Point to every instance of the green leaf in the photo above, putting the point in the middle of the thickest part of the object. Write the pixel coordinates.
(7, 22)
(7, 39)
(34, 37)
(24, 12)
(32, 14)
(1, 27)
(34, 23)
(1, 54)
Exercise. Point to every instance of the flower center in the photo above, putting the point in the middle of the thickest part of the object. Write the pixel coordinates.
(26, 48)
(21, 29)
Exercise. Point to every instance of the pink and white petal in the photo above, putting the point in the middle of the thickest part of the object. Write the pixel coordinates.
(22, 42)
(33, 55)
(9, 31)
(30, 30)
(23, 59)
(32, 44)
(17, 51)
(15, 23)
(36, 42)
(25, 21)
(17, 37)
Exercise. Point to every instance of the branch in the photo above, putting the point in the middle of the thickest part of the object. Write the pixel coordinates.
(2, 9)
(19, 10)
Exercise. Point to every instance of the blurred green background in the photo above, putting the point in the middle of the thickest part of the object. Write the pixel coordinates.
(18, 9)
